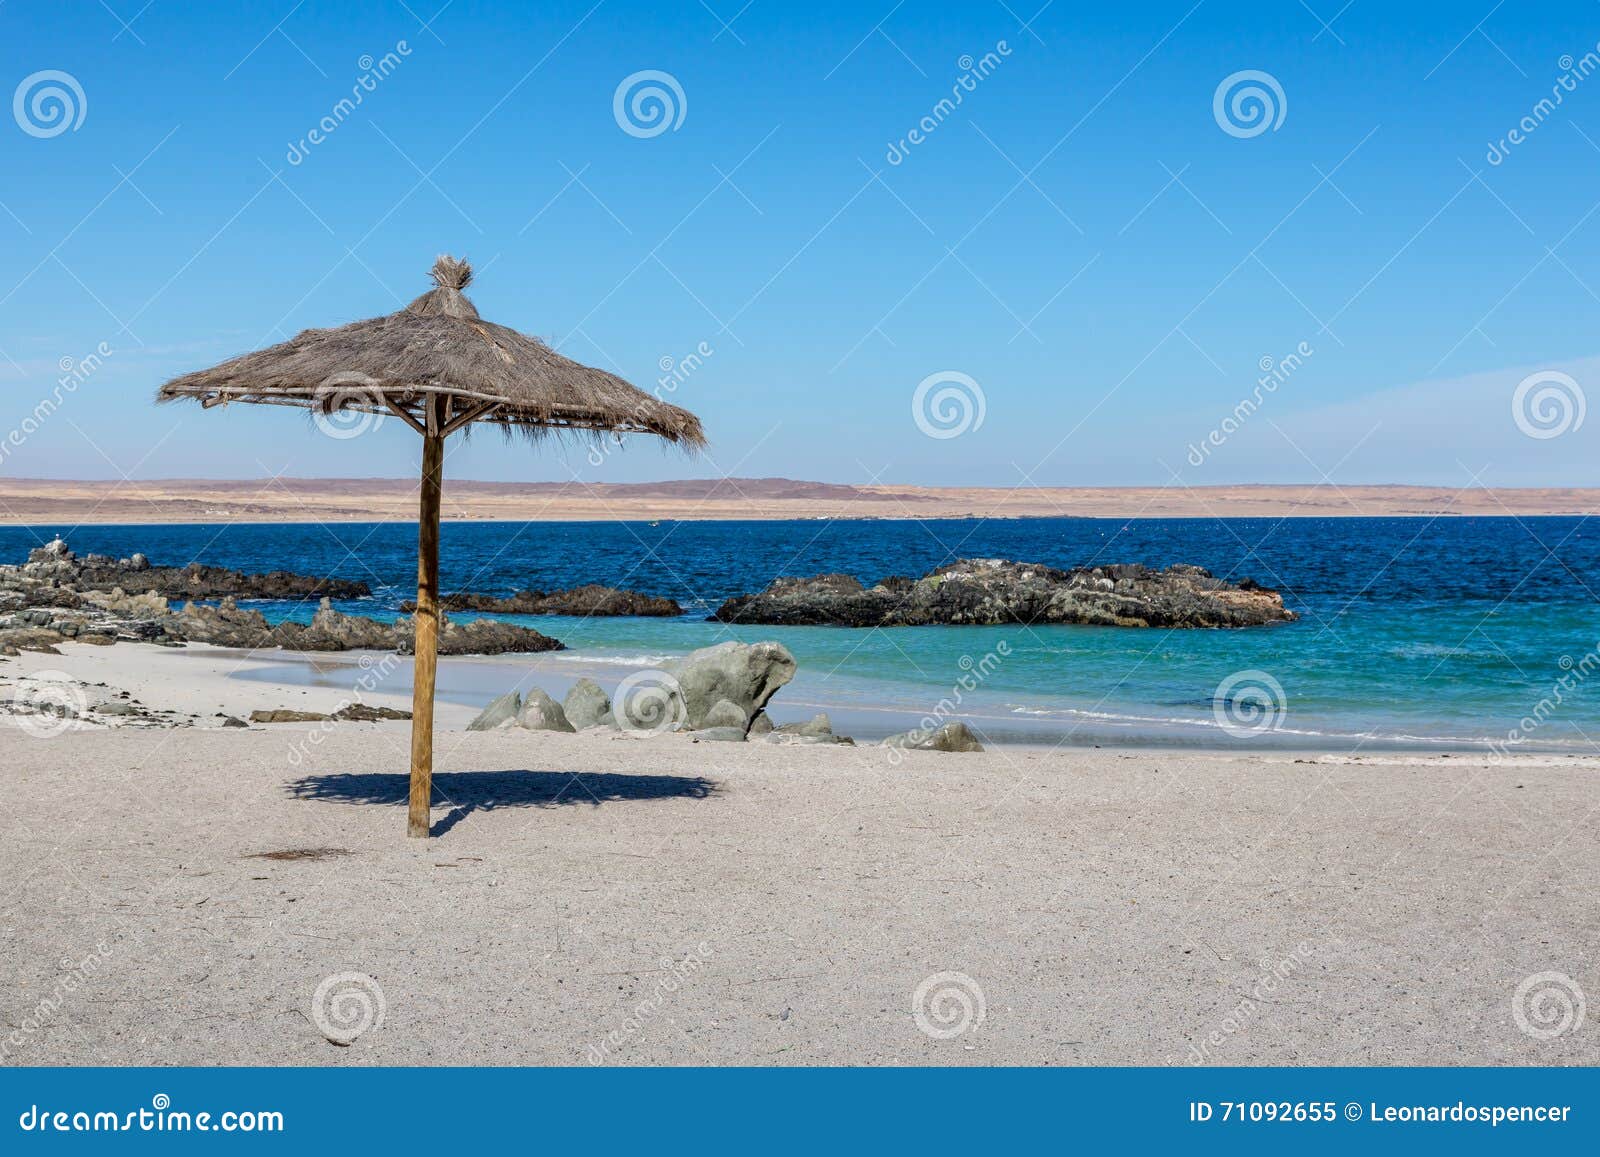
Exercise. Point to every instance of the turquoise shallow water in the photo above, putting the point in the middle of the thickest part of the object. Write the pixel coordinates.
(1413, 632)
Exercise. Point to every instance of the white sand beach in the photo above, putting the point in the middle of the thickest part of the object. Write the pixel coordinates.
(595, 898)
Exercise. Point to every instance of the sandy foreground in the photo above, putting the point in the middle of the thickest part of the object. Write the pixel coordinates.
(603, 899)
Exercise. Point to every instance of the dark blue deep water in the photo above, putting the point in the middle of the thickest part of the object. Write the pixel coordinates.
(1413, 630)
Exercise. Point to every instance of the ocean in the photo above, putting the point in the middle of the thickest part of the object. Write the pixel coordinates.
(1421, 633)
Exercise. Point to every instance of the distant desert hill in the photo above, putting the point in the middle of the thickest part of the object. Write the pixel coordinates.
(49, 502)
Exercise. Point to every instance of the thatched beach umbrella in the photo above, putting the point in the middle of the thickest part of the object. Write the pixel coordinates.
(440, 367)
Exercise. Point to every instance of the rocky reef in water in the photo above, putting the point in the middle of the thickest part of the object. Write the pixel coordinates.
(226, 625)
(590, 599)
(55, 597)
(992, 591)
(56, 563)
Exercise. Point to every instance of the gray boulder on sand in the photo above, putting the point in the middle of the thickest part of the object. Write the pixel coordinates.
(818, 725)
(725, 713)
(586, 705)
(499, 713)
(542, 713)
(955, 736)
(817, 729)
(760, 725)
(745, 674)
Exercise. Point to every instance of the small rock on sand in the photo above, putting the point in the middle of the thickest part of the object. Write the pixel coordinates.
(367, 713)
(586, 705)
(499, 713)
(718, 735)
(288, 715)
(542, 713)
(815, 727)
(955, 736)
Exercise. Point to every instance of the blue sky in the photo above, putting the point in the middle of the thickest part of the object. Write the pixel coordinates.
(1080, 239)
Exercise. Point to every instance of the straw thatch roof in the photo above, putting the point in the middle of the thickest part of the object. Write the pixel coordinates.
(438, 345)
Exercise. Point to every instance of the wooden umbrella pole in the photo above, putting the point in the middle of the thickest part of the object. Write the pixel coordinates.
(426, 621)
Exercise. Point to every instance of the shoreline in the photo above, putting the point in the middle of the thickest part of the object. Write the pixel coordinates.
(200, 684)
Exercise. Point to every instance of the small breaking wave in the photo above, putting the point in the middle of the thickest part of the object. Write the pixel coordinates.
(613, 660)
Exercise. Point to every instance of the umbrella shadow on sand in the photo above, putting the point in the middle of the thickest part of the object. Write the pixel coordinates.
(473, 791)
